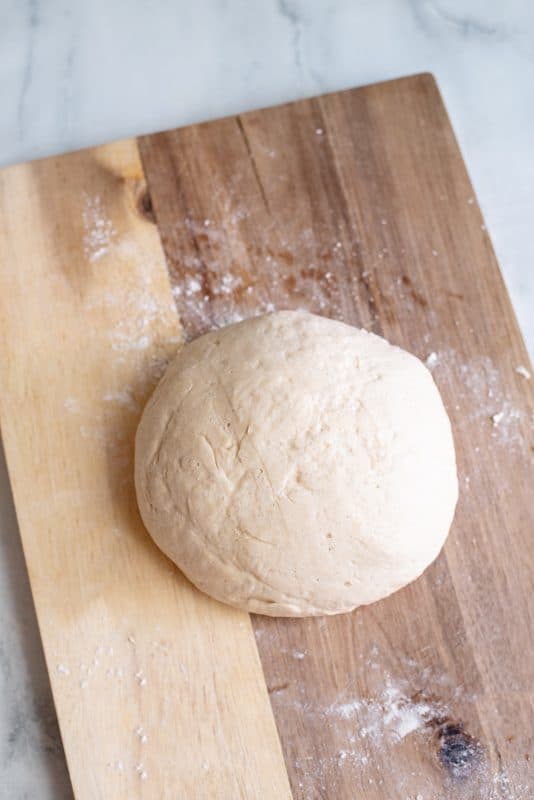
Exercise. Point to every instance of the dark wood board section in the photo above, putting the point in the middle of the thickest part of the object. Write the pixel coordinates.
(357, 206)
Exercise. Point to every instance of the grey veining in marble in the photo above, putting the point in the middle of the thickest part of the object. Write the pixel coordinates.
(75, 73)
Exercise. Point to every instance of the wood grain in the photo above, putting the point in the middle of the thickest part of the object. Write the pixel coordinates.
(357, 205)
(159, 690)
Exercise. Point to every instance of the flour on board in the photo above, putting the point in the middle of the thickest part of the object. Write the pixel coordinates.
(72, 405)
(481, 396)
(365, 730)
(122, 398)
(141, 309)
(298, 271)
(391, 715)
(431, 360)
(523, 371)
(371, 739)
(99, 232)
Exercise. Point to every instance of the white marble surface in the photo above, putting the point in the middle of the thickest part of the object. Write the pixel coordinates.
(75, 73)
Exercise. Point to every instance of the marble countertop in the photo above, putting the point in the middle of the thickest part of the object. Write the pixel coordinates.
(74, 74)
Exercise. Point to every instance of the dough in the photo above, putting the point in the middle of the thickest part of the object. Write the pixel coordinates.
(292, 465)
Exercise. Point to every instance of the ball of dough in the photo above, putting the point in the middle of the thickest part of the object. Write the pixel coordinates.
(292, 465)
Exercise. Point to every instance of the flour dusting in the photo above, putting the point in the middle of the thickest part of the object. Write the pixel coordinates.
(366, 729)
(370, 739)
(99, 232)
(122, 398)
(482, 396)
(390, 716)
(299, 654)
(221, 283)
(431, 360)
(142, 310)
(72, 405)
(140, 337)
(523, 371)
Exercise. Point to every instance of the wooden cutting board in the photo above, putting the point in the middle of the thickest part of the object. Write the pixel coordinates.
(357, 206)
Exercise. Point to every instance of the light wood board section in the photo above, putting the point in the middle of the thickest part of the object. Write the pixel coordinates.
(159, 690)
(357, 205)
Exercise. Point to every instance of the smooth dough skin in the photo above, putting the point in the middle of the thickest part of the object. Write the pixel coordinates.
(292, 465)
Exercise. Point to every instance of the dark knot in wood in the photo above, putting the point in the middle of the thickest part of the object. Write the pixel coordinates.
(144, 205)
(459, 752)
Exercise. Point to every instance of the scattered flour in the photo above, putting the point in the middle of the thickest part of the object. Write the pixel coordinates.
(99, 232)
(192, 286)
(227, 284)
(523, 371)
(142, 311)
(138, 311)
(482, 397)
(141, 735)
(390, 716)
(372, 738)
(122, 398)
(72, 405)
(140, 678)
(123, 342)
(431, 360)
(298, 272)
